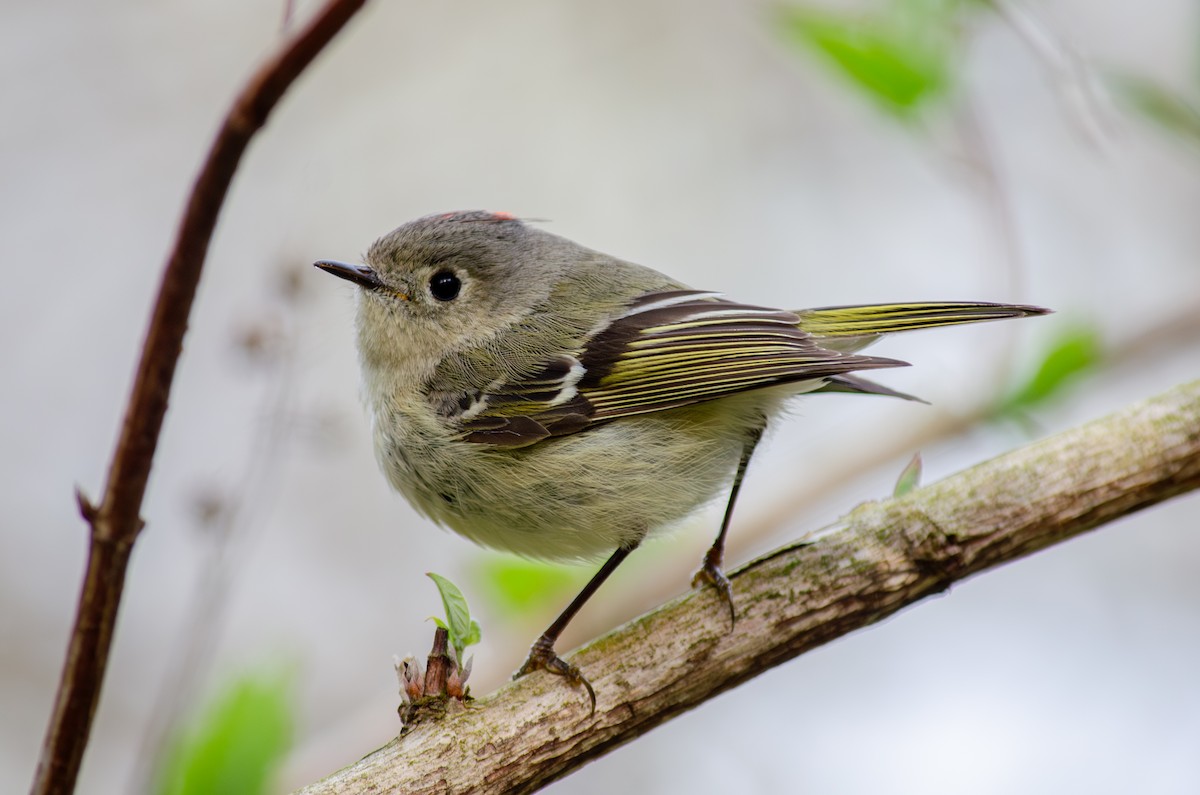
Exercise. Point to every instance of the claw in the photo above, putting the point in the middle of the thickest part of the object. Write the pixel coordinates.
(543, 658)
(710, 574)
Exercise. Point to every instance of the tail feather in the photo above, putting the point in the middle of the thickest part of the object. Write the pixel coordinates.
(875, 319)
(861, 386)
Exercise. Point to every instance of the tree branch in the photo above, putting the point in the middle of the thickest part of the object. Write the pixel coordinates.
(878, 559)
(116, 521)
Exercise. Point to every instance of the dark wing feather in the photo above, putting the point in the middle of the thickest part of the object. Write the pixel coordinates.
(860, 386)
(670, 349)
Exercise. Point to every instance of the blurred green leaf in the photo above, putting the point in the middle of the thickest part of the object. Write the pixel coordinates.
(1076, 350)
(516, 584)
(459, 623)
(1167, 109)
(474, 634)
(900, 55)
(910, 477)
(237, 742)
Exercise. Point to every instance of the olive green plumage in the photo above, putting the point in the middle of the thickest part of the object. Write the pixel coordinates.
(556, 402)
(540, 397)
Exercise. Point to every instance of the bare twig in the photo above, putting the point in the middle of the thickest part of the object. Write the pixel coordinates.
(1072, 79)
(880, 558)
(116, 521)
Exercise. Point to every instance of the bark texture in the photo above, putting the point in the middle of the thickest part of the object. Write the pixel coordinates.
(878, 559)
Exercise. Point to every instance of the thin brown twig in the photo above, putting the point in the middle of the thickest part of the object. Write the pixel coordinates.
(116, 521)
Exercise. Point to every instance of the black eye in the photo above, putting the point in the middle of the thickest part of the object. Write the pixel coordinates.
(444, 286)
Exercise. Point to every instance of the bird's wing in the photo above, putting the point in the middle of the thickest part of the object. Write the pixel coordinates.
(668, 349)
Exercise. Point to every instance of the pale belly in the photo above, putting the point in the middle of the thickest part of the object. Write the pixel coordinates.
(579, 496)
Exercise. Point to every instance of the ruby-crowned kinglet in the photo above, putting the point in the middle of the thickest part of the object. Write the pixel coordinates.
(542, 398)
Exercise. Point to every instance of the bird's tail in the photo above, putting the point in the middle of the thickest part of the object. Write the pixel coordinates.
(862, 321)
(853, 327)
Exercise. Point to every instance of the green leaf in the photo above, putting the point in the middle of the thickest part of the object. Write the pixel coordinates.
(902, 60)
(910, 477)
(458, 615)
(1169, 110)
(236, 743)
(1075, 351)
(516, 584)
(474, 635)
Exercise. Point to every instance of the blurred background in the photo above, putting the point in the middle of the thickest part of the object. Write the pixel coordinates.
(803, 155)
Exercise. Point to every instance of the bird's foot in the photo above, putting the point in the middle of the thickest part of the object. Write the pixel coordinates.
(542, 657)
(710, 574)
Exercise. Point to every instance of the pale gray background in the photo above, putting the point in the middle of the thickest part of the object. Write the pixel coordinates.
(684, 135)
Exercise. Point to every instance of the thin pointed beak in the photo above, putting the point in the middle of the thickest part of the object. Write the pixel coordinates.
(361, 275)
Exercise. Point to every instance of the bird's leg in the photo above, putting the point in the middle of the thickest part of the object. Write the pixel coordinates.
(542, 655)
(710, 570)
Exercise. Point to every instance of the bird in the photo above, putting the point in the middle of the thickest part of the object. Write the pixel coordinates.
(543, 398)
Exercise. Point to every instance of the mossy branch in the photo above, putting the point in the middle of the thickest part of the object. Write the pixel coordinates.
(879, 558)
